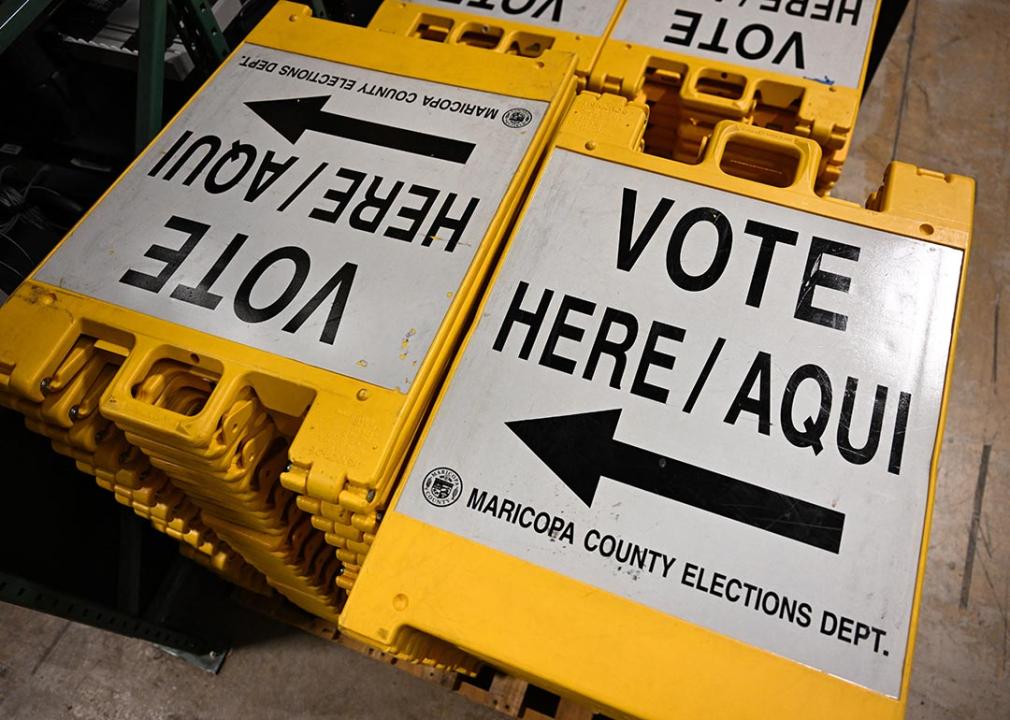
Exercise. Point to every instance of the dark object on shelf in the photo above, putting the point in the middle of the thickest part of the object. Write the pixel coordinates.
(38, 203)
(71, 552)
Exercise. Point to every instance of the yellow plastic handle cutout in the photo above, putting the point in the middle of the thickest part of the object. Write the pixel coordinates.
(764, 156)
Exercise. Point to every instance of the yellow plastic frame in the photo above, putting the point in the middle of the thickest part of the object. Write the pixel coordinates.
(403, 18)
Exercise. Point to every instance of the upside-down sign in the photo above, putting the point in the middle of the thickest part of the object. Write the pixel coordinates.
(319, 211)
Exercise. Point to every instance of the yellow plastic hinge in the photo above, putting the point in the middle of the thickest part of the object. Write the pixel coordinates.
(610, 84)
(815, 107)
(926, 195)
(609, 119)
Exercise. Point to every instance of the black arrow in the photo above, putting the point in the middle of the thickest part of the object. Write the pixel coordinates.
(580, 449)
(291, 117)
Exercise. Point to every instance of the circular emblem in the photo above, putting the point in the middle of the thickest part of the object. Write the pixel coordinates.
(517, 117)
(442, 487)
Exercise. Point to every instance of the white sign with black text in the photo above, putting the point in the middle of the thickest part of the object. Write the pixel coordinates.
(822, 40)
(319, 211)
(719, 407)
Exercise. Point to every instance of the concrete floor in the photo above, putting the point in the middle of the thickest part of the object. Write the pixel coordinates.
(52, 669)
(940, 100)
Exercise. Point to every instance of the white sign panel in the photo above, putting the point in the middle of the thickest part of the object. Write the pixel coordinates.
(822, 40)
(319, 211)
(588, 17)
(718, 407)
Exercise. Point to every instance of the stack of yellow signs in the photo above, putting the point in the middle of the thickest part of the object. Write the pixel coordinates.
(796, 66)
(527, 28)
(242, 337)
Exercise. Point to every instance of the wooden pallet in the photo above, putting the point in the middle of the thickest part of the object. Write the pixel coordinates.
(518, 698)
(509, 695)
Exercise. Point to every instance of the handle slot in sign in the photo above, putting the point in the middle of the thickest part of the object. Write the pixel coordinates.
(764, 156)
(432, 27)
(440, 29)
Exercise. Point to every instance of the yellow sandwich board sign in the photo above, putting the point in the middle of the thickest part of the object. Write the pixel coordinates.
(683, 466)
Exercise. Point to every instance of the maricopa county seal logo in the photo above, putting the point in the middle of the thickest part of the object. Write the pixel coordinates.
(517, 117)
(442, 487)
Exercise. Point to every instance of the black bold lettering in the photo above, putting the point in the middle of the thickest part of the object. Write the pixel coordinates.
(814, 277)
(797, 8)
(267, 174)
(201, 294)
(516, 314)
(372, 201)
(731, 595)
(238, 150)
(244, 309)
(628, 252)
(171, 257)
(829, 623)
(844, 9)
(877, 635)
(340, 286)
(415, 215)
(561, 329)
(687, 31)
(770, 235)
(509, 9)
(760, 372)
(675, 250)
(898, 439)
(651, 356)
(766, 41)
(616, 349)
(821, 10)
(211, 142)
(456, 225)
(340, 197)
(506, 508)
(813, 429)
(715, 44)
(863, 455)
(163, 160)
(794, 41)
(475, 501)
(555, 16)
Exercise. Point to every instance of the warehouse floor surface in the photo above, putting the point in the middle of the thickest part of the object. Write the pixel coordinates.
(941, 100)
